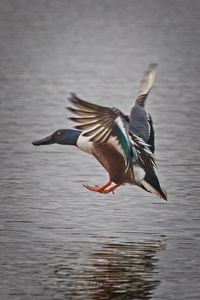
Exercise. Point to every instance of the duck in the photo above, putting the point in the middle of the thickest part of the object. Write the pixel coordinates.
(123, 144)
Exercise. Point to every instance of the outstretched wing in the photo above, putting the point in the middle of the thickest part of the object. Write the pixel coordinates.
(140, 121)
(146, 84)
(101, 123)
(96, 122)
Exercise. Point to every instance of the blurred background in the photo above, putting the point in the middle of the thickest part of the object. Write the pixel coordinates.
(57, 239)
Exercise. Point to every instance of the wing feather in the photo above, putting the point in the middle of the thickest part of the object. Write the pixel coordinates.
(95, 121)
(145, 156)
(146, 83)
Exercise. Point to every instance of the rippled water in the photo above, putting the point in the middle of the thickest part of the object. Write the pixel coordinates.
(58, 240)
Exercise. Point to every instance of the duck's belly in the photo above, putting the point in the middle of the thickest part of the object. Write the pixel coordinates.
(110, 155)
(111, 160)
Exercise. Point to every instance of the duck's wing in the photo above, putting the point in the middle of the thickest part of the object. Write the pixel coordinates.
(100, 123)
(140, 121)
(142, 125)
(146, 84)
(145, 156)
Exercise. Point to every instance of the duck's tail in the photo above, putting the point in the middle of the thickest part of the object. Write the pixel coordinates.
(151, 184)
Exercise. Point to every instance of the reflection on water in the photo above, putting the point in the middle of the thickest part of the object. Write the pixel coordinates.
(116, 271)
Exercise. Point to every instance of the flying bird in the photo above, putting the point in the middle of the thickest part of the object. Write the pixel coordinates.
(123, 144)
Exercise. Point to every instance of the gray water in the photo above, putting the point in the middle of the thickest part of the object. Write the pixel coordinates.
(59, 240)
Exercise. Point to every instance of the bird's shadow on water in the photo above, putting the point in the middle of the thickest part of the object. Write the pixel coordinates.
(116, 271)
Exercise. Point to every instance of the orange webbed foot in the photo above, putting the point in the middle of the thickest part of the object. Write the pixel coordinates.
(102, 189)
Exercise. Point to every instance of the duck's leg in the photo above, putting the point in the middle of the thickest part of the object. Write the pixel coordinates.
(111, 189)
(100, 188)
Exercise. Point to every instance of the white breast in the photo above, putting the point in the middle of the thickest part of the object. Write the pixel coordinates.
(84, 144)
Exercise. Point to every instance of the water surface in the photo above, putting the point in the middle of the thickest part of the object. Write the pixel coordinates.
(58, 240)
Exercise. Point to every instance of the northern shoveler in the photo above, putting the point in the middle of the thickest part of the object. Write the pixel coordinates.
(123, 144)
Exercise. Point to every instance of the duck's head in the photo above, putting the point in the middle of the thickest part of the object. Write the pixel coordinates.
(60, 136)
